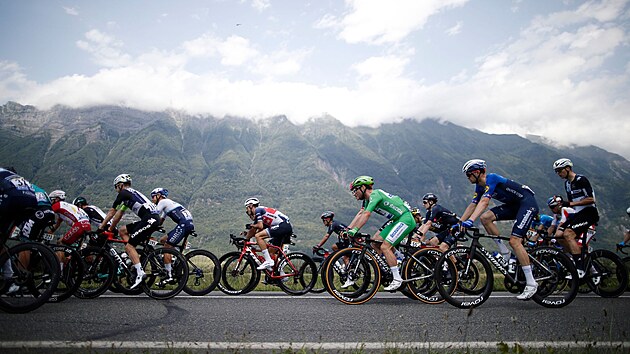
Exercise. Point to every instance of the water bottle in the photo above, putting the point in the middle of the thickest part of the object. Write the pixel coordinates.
(512, 265)
(125, 257)
(285, 248)
(496, 255)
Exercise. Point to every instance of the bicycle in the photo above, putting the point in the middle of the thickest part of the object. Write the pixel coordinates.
(203, 266)
(368, 270)
(294, 272)
(626, 261)
(27, 286)
(320, 256)
(73, 269)
(554, 272)
(604, 272)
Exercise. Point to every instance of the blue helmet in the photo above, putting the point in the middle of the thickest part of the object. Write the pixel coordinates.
(474, 165)
(161, 191)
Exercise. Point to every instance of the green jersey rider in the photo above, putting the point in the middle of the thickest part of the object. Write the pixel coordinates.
(392, 206)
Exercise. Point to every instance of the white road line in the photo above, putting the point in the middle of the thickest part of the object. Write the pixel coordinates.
(307, 345)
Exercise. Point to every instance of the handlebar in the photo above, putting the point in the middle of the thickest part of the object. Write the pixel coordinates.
(621, 247)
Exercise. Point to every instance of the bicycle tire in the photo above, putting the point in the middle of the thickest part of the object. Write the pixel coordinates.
(556, 276)
(237, 281)
(71, 275)
(626, 262)
(36, 281)
(613, 274)
(363, 269)
(204, 272)
(458, 298)
(125, 276)
(155, 285)
(302, 282)
(98, 275)
(319, 287)
(418, 272)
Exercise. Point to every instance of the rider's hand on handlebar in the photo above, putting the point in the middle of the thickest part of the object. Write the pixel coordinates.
(468, 223)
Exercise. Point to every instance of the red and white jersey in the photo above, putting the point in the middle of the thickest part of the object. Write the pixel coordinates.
(70, 213)
(269, 216)
(562, 217)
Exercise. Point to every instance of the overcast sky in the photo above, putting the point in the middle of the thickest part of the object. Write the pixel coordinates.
(554, 68)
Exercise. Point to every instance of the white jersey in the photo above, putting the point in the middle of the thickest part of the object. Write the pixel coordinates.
(562, 217)
(174, 210)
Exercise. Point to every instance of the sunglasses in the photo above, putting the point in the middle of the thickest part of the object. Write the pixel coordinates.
(425, 202)
(558, 170)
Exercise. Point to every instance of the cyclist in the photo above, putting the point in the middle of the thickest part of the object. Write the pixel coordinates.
(333, 226)
(181, 216)
(267, 223)
(626, 235)
(95, 213)
(438, 220)
(580, 196)
(76, 218)
(17, 201)
(42, 217)
(135, 232)
(561, 214)
(539, 227)
(518, 203)
(400, 225)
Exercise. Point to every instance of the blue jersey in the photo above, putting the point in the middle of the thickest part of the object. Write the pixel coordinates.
(10, 181)
(502, 189)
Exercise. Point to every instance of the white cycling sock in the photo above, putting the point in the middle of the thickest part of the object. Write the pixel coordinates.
(7, 269)
(505, 252)
(528, 275)
(138, 267)
(395, 273)
(267, 256)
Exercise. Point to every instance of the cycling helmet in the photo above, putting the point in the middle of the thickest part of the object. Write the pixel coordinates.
(554, 201)
(328, 215)
(415, 211)
(474, 165)
(628, 211)
(562, 163)
(431, 197)
(252, 201)
(361, 181)
(79, 201)
(162, 191)
(61, 195)
(123, 178)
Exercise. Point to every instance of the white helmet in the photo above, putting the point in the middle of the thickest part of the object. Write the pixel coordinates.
(124, 178)
(562, 163)
(474, 165)
(252, 201)
(628, 211)
(61, 195)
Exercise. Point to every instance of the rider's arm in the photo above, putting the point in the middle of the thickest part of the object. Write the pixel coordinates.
(478, 209)
(356, 217)
(585, 201)
(116, 219)
(360, 220)
(422, 230)
(469, 210)
(321, 243)
(56, 226)
(108, 217)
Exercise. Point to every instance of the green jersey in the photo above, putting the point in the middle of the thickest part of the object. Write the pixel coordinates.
(388, 205)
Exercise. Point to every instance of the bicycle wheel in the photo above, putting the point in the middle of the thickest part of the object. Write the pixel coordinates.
(32, 278)
(301, 273)
(98, 275)
(626, 262)
(159, 284)
(125, 275)
(319, 288)
(361, 269)
(204, 272)
(238, 276)
(418, 274)
(607, 276)
(556, 276)
(71, 275)
(468, 295)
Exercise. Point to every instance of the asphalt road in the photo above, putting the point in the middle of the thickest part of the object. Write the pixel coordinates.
(279, 320)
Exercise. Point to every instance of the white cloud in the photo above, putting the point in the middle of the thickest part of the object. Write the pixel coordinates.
(455, 29)
(379, 22)
(261, 5)
(105, 50)
(71, 11)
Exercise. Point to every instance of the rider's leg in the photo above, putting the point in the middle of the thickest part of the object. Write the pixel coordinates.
(487, 219)
(260, 241)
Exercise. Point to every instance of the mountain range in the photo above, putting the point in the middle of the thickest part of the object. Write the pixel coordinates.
(211, 165)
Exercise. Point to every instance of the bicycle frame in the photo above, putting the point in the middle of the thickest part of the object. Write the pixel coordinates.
(247, 250)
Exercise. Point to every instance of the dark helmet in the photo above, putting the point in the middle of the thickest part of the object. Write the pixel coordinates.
(430, 197)
(78, 201)
(328, 215)
(554, 201)
(162, 191)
